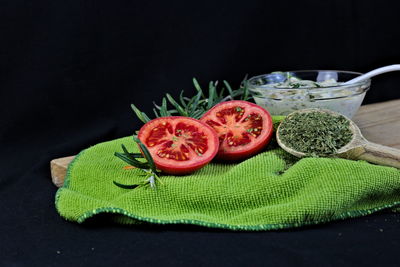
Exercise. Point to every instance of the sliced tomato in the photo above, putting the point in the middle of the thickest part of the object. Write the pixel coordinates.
(243, 128)
(179, 145)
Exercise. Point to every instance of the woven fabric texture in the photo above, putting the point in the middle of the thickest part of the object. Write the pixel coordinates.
(271, 190)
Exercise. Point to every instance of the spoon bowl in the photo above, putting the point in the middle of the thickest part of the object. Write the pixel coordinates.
(358, 148)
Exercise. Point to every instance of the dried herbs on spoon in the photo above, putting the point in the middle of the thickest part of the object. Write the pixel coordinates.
(315, 133)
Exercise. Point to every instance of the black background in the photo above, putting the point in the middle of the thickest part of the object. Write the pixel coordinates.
(70, 69)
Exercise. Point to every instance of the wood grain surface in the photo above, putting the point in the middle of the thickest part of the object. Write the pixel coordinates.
(379, 123)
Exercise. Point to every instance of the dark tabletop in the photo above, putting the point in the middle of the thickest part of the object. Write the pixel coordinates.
(70, 69)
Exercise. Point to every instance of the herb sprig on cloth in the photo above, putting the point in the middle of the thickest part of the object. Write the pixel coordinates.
(147, 167)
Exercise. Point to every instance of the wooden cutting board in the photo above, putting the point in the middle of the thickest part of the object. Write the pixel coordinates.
(379, 123)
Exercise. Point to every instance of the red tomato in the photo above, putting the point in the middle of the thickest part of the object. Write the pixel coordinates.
(243, 128)
(179, 145)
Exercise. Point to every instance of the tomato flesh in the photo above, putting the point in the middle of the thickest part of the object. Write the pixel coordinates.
(179, 145)
(243, 128)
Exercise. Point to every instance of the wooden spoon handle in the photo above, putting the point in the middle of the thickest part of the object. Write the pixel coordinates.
(382, 155)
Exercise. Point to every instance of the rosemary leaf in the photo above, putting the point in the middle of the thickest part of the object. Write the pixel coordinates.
(196, 102)
(136, 155)
(245, 89)
(163, 110)
(197, 114)
(139, 114)
(147, 154)
(132, 161)
(180, 110)
(172, 111)
(198, 88)
(125, 150)
(182, 99)
(125, 186)
(156, 106)
(145, 117)
(228, 87)
(221, 94)
(245, 93)
(211, 95)
(125, 158)
(155, 112)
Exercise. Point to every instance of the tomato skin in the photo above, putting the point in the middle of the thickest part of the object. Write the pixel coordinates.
(174, 167)
(226, 154)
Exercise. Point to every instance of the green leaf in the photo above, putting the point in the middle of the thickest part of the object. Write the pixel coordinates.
(136, 155)
(172, 111)
(156, 106)
(125, 186)
(182, 99)
(180, 110)
(156, 113)
(245, 89)
(228, 87)
(131, 158)
(141, 115)
(195, 102)
(163, 110)
(211, 95)
(237, 93)
(197, 114)
(221, 94)
(125, 150)
(244, 81)
(145, 117)
(132, 161)
(198, 88)
(147, 154)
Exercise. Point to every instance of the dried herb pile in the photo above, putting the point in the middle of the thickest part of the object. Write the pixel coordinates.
(315, 133)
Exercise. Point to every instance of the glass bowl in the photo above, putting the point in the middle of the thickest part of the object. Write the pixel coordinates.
(345, 99)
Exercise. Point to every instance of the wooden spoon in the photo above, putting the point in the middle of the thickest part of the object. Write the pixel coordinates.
(357, 149)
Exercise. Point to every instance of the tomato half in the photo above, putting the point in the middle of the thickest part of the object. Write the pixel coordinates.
(179, 145)
(243, 128)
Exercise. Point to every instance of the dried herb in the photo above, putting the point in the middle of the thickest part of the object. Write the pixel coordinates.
(198, 104)
(315, 133)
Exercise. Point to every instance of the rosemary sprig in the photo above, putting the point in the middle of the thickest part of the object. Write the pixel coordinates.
(198, 104)
(148, 167)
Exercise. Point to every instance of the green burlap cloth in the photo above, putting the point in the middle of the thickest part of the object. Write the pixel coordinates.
(272, 190)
